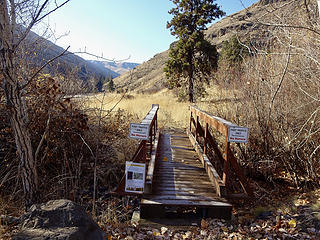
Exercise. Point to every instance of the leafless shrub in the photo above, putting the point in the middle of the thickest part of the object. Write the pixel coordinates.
(74, 147)
(279, 89)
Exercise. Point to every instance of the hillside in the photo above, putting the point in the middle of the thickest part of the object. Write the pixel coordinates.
(69, 62)
(117, 67)
(149, 76)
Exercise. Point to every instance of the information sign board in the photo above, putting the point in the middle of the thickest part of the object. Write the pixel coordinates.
(135, 177)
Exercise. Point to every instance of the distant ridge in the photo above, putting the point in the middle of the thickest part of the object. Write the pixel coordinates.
(117, 67)
(69, 62)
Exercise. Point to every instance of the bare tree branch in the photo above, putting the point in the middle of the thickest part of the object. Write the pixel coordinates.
(43, 66)
(37, 19)
(44, 135)
(100, 57)
(280, 82)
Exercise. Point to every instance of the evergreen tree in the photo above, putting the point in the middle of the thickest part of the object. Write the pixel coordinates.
(233, 51)
(111, 85)
(191, 56)
(99, 84)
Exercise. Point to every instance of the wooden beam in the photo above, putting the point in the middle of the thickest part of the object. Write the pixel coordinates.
(243, 180)
(218, 123)
(152, 163)
(226, 167)
(229, 159)
(213, 143)
(206, 130)
(212, 173)
(141, 152)
(151, 115)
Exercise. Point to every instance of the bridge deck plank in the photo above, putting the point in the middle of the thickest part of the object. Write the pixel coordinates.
(181, 180)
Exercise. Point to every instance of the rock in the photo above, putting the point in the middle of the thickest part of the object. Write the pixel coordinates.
(60, 220)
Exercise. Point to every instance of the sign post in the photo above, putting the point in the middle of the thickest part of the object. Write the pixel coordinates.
(238, 134)
(135, 176)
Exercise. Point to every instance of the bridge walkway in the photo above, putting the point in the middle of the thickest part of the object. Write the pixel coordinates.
(181, 182)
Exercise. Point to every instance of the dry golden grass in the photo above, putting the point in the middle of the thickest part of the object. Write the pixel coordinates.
(172, 113)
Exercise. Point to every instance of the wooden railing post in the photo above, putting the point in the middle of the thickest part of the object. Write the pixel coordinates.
(205, 138)
(191, 122)
(156, 125)
(144, 151)
(197, 128)
(225, 177)
(151, 140)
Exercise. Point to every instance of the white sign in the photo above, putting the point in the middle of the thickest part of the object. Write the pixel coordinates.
(135, 176)
(139, 131)
(238, 134)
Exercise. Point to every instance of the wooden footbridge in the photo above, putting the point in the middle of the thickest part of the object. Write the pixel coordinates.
(188, 170)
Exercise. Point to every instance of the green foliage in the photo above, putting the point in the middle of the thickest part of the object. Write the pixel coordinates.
(101, 81)
(191, 57)
(233, 51)
(99, 84)
(111, 85)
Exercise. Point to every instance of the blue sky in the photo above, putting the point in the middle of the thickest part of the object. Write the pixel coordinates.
(120, 28)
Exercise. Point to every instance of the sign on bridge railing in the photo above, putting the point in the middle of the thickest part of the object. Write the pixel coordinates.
(139, 131)
(135, 177)
(238, 134)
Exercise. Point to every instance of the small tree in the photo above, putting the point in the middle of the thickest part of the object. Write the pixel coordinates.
(99, 84)
(111, 85)
(192, 56)
(233, 51)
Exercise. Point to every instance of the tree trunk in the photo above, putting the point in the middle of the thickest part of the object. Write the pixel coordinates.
(191, 97)
(18, 118)
(15, 103)
(190, 76)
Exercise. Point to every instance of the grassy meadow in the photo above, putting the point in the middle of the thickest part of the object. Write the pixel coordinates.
(172, 113)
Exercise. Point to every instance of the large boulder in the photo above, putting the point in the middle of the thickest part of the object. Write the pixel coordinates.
(60, 220)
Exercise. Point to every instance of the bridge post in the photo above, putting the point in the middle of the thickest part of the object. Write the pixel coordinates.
(197, 129)
(225, 177)
(205, 138)
(156, 123)
(190, 128)
(151, 140)
(144, 151)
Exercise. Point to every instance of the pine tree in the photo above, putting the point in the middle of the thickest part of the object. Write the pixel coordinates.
(233, 51)
(191, 57)
(111, 85)
(99, 84)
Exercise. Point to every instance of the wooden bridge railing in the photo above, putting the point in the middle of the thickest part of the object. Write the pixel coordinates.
(146, 151)
(225, 158)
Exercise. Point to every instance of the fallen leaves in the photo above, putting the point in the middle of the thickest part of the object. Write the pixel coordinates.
(275, 227)
(297, 222)
(292, 223)
(204, 224)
